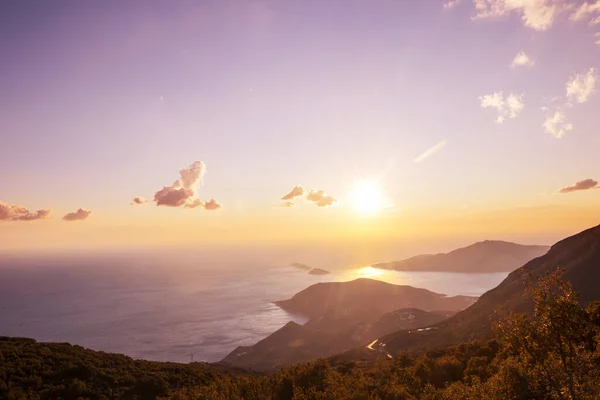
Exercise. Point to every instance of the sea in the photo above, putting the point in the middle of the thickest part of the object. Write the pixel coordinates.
(174, 307)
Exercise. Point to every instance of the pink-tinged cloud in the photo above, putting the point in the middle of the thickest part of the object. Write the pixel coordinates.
(138, 201)
(78, 215)
(19, 213)
(212, 204)
(296, 191)
(184, 190)
(585, 184)
(321, 199)
(194, 204)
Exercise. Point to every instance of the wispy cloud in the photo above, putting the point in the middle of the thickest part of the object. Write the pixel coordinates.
(431, 151)
(585, 184)
(321, 199)
(449, 4)
(557, 125)
(19, 213)
(507, 107)
(522, 60)
(78, 215)
(581, 87)
(536, 14)
(587, 11)
(295, 192)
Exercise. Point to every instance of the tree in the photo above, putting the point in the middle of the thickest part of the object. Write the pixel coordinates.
(556, 349)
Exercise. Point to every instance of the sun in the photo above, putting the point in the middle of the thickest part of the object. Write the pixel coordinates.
(367, 198)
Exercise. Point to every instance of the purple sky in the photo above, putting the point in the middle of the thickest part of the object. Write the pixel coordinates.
(103, 102)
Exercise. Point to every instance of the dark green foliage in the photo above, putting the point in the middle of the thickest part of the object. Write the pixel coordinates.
(32, 370)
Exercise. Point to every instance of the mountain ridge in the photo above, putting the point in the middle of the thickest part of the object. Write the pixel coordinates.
(485, 256)
(577, 255)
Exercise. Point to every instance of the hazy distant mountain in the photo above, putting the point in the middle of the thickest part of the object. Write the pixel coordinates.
(311, 270)
(301, 266)
(578, 255)
(481, 257)
(344, 315)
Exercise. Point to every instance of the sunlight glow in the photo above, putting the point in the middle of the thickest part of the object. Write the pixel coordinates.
(367, 197)
(368, 272)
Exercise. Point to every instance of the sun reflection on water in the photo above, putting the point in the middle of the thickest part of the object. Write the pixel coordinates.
(368, 272)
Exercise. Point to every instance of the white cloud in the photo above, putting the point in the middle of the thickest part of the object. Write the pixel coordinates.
(587, 10)
(536, 14)
(507, 107)
(582, 86)
(522, 59)
(449, 4)
(431, 151)
(557, 124)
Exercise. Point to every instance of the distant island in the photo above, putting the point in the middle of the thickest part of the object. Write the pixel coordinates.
(311, 270)
(301, 266)
(482, 257)
(318, 271)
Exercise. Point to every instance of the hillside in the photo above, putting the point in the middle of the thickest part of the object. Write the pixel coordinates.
(367, 297)
(30, 369)
(344, 315)
(578, 256)
(481, 257)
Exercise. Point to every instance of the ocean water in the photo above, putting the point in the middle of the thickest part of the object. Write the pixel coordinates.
(173, 308)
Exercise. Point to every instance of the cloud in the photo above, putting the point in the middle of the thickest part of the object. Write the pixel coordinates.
(78, 215)
(184, 191)
(431, 151)
(536, 14)
(522, 60)
(288, 204)
(321, 199)
(449, 4)
(295, 192)
(598, 36)
(587, 10)
(557, 124)
(508, 107)
(19, 213)
(581, 87)
(212, 204)
(138, 200)
(585, 184)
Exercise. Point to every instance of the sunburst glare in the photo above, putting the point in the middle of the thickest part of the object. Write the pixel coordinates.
(367, 198)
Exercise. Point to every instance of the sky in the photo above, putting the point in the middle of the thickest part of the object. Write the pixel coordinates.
(154, 123)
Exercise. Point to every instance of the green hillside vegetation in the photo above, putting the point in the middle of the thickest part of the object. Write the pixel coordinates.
(554, 354)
